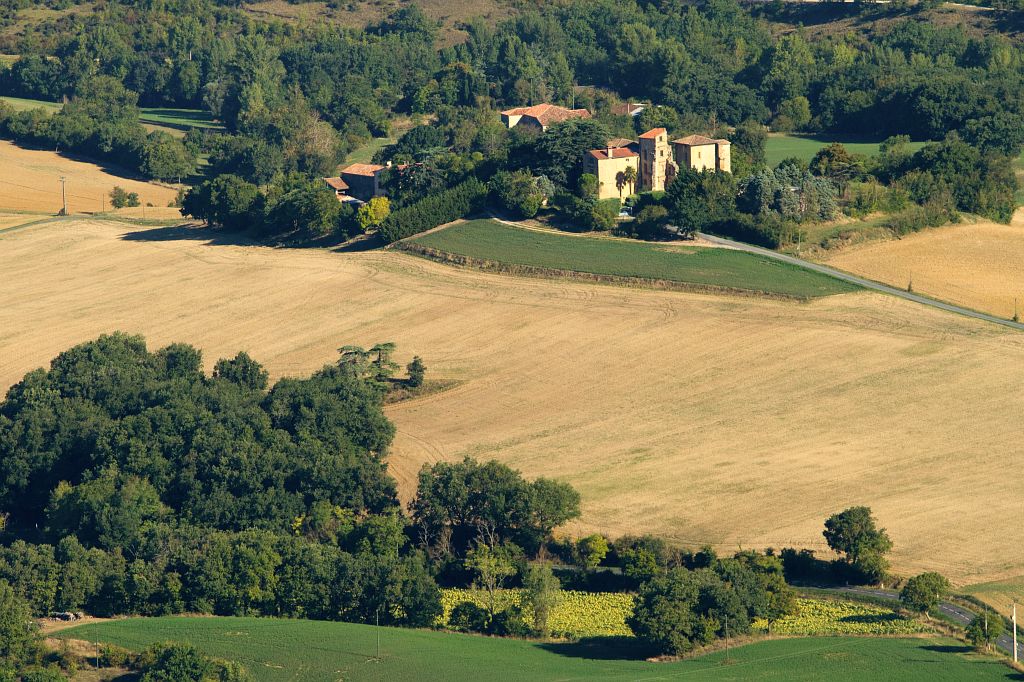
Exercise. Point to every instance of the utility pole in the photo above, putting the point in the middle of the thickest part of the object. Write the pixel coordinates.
(63, 196)
(727, 637)
(1015, 632)
(378, 634)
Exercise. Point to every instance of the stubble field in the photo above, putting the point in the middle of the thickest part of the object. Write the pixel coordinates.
(977, 265)
(30, 181)
(739, 422)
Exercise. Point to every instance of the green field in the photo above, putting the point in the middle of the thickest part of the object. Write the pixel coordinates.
(779, 147)
(175, 119)
(364, 153)
(493, 241)
(20, 104)
(301, 651)
(181, 119)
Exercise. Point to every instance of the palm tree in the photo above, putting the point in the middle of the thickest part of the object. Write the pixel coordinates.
(620, 182)
(628, 175)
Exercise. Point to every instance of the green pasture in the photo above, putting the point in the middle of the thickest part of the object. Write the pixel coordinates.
(311, 651)
(494, 241)
(779, 147)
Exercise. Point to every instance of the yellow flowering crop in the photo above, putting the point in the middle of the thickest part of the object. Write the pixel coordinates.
(578, 614)
(826, 617)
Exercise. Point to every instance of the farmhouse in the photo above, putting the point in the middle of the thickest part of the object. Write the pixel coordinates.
(540, 116)
(362, 180)
(341, 190)
(654, 161)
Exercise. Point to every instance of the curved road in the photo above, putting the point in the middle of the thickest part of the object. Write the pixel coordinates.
(954, 611)
(860, 281)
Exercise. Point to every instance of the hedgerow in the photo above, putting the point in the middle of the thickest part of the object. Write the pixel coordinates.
(435, 209)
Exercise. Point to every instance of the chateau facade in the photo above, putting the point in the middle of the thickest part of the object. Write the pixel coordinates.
(654, 162)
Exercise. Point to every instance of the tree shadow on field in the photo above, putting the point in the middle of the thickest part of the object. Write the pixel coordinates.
(600, 648)
(948, 648)
(213, 236)
(189, 232)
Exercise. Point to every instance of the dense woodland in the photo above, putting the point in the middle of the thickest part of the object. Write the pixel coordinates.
(294, 100)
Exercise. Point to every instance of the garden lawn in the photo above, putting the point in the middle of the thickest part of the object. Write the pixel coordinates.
(175, 119)
(779, 147)
(310, 651)
(715, 267)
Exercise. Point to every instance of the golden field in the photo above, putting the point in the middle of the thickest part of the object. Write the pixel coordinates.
(739, 422)
(30, 181)
(976, 265)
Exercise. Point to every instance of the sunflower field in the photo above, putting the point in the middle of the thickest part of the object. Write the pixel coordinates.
(828, 617)
(577, 615)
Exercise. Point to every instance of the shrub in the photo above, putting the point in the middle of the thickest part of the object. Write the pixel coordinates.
(468, 617)
(114, 656)
(510, 623)
(174, 663)
(49, 674)
(745, 228)
(120, 198)
(435, 209)
(416, 370)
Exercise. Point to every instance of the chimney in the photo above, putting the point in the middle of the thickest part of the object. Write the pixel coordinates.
(387, 164)
(610, 151)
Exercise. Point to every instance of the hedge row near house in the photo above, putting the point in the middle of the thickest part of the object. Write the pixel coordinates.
(435, 209)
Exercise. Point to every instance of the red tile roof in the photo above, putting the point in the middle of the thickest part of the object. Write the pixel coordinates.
(653, 133)
(698, 141)
(368, 169)
(627, 109)
(336, 184)
(617, 153)
(547, 114)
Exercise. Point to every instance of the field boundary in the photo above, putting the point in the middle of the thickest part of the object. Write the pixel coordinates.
(871, 284)
(538, 272)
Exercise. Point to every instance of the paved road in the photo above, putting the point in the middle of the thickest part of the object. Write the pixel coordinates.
(866, 283)
(957, 613)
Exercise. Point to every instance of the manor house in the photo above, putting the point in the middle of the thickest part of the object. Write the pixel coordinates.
(654, 161)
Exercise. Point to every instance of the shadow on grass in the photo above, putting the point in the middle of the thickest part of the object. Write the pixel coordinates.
(601, 649)
(948, 648)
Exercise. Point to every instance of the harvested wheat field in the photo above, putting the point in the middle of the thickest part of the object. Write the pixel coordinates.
(30, 181)
(979, 265)
(740, 422)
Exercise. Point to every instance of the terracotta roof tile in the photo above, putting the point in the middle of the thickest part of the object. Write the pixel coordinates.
(547, 114)
(627, 109)
(653, 133)
(697, 141)
(369, 169)
(617, 153)
(336, 183)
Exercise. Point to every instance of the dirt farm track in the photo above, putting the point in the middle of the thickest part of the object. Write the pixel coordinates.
(741, 422)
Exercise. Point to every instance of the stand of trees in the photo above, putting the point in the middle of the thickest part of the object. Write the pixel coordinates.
(102, 120)
(133, 483)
